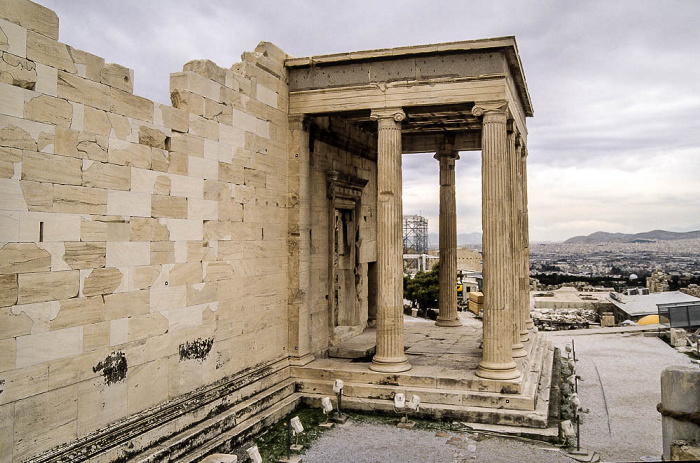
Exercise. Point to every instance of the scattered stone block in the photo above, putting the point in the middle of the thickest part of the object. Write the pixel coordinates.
(679, 337)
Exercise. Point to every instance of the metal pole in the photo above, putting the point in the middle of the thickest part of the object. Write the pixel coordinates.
(289, 438)
(340, 399)
(578, 432)
(573, 348)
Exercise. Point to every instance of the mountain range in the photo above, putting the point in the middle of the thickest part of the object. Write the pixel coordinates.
(651, 236)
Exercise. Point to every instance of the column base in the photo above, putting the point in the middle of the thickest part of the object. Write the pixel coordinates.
(497, 371)
(524, 336)
(448, 322)
(530, 325)
(518, 350)
(390, 365)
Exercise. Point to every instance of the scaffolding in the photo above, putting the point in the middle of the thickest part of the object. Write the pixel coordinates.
(415, 234)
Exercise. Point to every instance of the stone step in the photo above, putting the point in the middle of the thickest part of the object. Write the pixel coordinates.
(256, 407)
(499, 416)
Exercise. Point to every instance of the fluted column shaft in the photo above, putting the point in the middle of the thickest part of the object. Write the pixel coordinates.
(448, 240)
(389, 356)
(497, 361)
(515, 245)
(525, 283)
(522, 266)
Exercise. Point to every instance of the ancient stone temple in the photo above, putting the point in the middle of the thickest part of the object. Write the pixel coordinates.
(173, 278)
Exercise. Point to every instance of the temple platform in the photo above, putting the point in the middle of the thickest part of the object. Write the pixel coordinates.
(443, 375)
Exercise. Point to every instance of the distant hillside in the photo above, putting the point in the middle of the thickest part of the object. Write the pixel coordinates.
(654, 235)
(462, 239)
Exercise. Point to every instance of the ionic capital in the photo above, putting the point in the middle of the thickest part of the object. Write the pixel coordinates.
(387, 117)
(492, 111)
(448, 154)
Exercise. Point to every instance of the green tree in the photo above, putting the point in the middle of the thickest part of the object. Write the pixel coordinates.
(423, 289)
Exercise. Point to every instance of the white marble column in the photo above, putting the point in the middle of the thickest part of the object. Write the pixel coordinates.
(448, 240)
(497, 361)
(525, 283)
(390, 349)
(515, 254)
(298, 243)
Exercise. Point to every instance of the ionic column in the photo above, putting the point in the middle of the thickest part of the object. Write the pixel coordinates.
(529, 324)
(298, 243)
(522, 265)
(497, 361)
(515, 244)
(448, 240)
(389, 356)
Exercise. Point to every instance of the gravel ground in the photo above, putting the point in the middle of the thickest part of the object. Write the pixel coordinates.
(374, 443)
(621, 386)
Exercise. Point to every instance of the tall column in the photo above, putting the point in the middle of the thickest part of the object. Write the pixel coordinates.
(298, 243)
(515, 255)
(390, 356)
(497, 361)
(529, 324)
(522, 266)
(448, 239)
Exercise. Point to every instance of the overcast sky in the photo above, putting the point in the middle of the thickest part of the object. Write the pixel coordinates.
(615, 142)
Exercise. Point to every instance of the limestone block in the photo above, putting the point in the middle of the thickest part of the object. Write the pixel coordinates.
(100, 404)
(187, 102)
(169, 206)
(143, 180)
(78, 116)
(13, 38)
(196, 83)
(49, 109)
(161, 185)
(679, 337)
(82, 255)
(80, 90)
(12, 100)
(129, 304)
(130, 105)
(88, 65)
(96, 121)
(11, 195)
(128, 203)
(57, 227)
(49, 52)
(49, 168)
(46, 79)
(254, 178)
(102, 281)
(48, 346)
(7, 434)
(30, 16)
(162, 252)
(23, 258)
(202, 209)
(178, 163)
(77, 312)
(118, 332)
(160, 160)
(17, 73)
(216, 191)
(108, 176)
(187, 143)
(204, 128)
(49, 286)
(121, 128)
(118, 76)
(207, 69)
(169, 297)
(8, 290)
(7, 356)
(231, 173)
(130, 154)
(217, 230)
(202, 293)
(218, 151)
(96, 336)
(203, 168)
(45, 421)
(148, 229)
(266, 96)
(218, 112)
(185, 274)
(152, 137)
(79, 200)
(16, 137)
(38, 196)
(232, 135)
(189, 187)
(144, 277)
(173, 118)
(201, 251)
(66, 142)
(125, 254)
(147, 385)
(91, 146)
